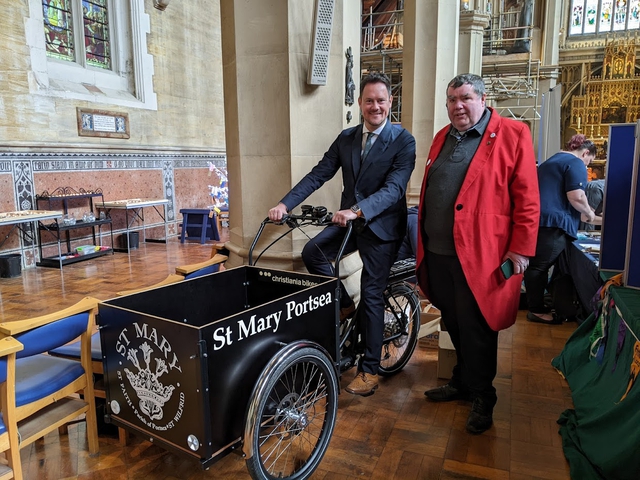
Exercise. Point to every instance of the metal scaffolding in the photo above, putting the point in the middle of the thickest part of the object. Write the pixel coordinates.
(382, 41)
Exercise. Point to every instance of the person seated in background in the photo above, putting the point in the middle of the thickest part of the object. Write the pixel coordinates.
(595, 196)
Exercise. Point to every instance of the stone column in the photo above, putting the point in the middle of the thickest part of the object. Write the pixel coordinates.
(277, 126)
(472, 25)
(430, 61)
(549, 57)
(551, 24)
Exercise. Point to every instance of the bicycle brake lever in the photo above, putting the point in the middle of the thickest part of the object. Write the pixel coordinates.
(279, 222)
(291, 222)
(326, 220)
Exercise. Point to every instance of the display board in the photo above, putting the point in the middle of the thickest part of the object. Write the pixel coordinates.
(617, 197)
(632, 264)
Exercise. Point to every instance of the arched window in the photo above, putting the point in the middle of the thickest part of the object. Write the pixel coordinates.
(592, 17)
(93, 50)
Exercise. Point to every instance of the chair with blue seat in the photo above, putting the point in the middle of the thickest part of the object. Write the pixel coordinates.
(9, 442)
(199, 269)
(47, 388)
(184, 272)
(72, 351)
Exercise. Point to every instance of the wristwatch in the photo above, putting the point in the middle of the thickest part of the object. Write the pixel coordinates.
(356, 209)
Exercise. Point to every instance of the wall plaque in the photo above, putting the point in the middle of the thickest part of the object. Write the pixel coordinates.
(102, 123)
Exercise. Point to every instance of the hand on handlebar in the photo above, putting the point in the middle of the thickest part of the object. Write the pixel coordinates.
(277, 213)
(341, 217)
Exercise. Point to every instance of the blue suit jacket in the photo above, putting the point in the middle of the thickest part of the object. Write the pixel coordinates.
(378, 186)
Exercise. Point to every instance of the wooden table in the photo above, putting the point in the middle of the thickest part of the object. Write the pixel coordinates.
(22, 219)
(136, 207)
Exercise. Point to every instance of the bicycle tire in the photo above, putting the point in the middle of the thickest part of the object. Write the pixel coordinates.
(296, 417)
(401, 302)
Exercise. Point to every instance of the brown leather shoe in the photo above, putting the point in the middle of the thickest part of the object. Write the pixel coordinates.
(347, 312)
(364, 384)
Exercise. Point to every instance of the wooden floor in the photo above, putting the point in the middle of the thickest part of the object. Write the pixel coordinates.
(394, 434)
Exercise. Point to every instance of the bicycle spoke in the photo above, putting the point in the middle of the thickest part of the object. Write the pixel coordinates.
(293, 430)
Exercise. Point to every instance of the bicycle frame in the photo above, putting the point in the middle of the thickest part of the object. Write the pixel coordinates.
(347, 337)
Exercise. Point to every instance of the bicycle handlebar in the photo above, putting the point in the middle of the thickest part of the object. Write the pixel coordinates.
(317, 216)
(314, 216)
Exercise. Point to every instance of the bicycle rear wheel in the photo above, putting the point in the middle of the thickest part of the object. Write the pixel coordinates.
(401, 327)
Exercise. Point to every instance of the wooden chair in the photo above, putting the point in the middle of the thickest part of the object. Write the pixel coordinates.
(184, 272)
(202, 268)
(72, 351)
(46, 387)
(9, 442)
(173, 278)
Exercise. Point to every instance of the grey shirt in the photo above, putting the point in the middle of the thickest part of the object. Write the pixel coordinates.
(595, 194)
(444, 180)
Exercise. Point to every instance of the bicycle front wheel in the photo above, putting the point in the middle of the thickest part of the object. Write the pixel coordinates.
(401, 327)
(296, 417)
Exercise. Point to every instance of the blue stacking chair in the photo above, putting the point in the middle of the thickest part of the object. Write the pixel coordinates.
(46, 387)
(185, 272)
(9, 442)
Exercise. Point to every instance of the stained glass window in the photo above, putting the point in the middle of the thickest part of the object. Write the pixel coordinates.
(591, 16)
(634, 14)
(620, 15)
(603, 16)
(96, 33)
(606, 13)
(58, 29)
(87, 43)
(577, 9)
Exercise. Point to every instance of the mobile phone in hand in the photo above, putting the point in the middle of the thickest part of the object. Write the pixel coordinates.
(507, 268)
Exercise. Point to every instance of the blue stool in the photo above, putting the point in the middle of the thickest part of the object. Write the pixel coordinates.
(198, 219)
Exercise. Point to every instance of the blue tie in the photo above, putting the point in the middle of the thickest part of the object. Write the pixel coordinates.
(367, 146)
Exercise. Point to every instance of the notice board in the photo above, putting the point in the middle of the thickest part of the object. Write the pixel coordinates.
(617, 197)
(632, 265)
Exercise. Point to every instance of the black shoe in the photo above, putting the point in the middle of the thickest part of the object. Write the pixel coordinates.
(532, 317)
(446, 393)
(481, 416)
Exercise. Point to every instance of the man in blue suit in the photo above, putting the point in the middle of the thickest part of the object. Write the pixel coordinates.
(377, 159)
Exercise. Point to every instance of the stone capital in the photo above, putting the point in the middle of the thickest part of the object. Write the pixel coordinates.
(473, 21)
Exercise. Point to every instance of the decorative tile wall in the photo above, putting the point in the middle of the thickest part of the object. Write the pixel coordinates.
(180, 178)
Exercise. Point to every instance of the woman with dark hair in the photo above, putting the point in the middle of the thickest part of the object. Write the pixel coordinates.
(562, 180)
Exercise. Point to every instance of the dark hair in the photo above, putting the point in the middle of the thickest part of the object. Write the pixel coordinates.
(469, 79)
(375, 77)
(580, 142)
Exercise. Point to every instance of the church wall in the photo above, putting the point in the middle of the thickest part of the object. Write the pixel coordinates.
(169, 149)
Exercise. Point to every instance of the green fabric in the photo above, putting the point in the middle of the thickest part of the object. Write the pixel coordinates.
(607, 275)
(601, 436)
(628, 302)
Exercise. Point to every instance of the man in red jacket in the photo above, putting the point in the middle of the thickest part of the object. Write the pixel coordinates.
(479, 206)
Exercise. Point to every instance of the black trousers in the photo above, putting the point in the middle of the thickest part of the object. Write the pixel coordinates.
(377, 257)
(475, 342)
(551, 243)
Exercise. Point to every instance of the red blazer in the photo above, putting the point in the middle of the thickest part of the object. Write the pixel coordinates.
(497, 210)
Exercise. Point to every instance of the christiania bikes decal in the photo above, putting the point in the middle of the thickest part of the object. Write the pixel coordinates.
(147, 357)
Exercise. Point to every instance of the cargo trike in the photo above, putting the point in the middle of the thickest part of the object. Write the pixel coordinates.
(246, 360)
